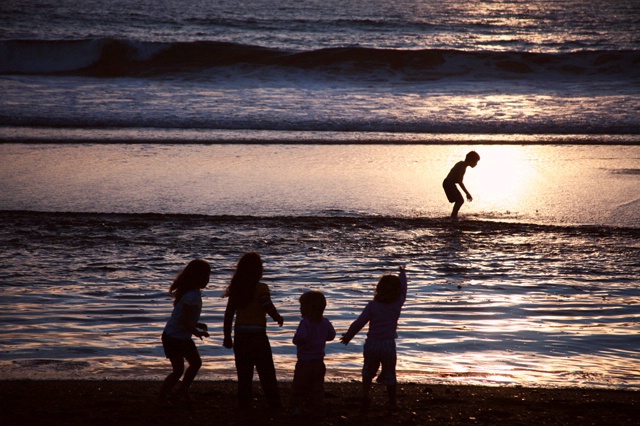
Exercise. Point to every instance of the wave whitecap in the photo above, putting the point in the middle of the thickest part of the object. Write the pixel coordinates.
(113, 58)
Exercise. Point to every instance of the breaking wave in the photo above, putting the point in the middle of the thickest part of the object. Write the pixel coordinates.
(113, 58)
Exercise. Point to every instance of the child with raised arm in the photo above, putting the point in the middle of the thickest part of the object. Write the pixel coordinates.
(183, 323)
(456, 176)
(310, 338)
(250, 302)
(382, 314)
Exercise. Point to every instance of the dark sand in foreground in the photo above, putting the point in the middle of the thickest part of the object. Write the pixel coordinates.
(28, 402)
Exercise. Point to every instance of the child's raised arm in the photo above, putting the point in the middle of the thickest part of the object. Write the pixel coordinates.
(404, 283)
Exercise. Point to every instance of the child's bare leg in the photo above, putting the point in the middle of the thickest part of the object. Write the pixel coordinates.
(391, 392)
(172, 378)
(195, 362)
(366, 389)
(191, 373)
(456, 208)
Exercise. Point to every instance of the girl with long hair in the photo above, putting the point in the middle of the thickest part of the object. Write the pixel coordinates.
(250, 302)
(183, 323)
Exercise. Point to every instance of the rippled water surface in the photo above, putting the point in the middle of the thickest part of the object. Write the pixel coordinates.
(512, 294)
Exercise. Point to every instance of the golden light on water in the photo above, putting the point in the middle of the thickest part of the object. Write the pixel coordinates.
(503, 178)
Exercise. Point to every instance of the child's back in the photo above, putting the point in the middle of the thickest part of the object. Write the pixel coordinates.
(382, 314)
(249, 302)
(310, 339)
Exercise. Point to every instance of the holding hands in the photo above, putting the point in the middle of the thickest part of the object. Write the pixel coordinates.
(363, 319)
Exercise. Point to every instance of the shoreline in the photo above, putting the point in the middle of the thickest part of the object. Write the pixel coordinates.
(126, 402)
(69, 135)
(310, 142)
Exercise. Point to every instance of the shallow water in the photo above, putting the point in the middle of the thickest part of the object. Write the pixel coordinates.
(566, 184)
(489, 303)
(514, 294)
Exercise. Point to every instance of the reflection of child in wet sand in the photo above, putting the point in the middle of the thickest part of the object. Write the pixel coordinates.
(310, 338)
(456, 175)
(176, 337)
(382, 314)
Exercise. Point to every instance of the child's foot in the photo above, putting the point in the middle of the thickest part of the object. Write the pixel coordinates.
(163, 402)
(245, 405)
(366, 403)
(392, 407)
(183, 396)
(275, 405)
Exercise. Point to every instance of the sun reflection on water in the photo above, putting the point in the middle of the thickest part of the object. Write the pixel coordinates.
(503, 178)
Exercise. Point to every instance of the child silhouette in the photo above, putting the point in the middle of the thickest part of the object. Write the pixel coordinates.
(310, 338)
(250, 302)
(382, 314)
(456, 176)
(183, 323)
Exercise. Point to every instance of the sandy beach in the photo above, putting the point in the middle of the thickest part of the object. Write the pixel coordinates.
(81, 402)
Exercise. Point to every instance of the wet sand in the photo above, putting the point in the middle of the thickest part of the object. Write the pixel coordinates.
(69, 402)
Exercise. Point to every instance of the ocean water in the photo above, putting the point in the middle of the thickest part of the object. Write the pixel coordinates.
(536, 285)
(539, 184)
(426, 67)
(137, 135)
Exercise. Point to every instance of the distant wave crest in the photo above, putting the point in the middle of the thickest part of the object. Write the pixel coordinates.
(113, 58)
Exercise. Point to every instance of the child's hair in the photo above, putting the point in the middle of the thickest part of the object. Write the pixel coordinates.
(245, 279)
(312, 305)
(472, 156)
(389, 289)
(194, 276)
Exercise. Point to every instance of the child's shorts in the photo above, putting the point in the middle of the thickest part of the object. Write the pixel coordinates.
(378, 353)
(175, 348)
(451, 190)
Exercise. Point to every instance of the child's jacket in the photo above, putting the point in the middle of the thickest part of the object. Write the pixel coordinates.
(382, 318)
(310, 338)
